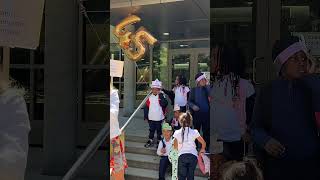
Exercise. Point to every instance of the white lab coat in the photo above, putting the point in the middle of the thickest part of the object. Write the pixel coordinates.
(114, 113)
(14, 130)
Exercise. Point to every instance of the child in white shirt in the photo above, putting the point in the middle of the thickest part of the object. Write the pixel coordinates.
(180, 93)
(175, 120)
(184, 142)
(154, 112)
(164, 149)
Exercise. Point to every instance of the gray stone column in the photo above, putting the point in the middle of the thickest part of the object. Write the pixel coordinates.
(129, 98)
(60, 83)
(164, 75)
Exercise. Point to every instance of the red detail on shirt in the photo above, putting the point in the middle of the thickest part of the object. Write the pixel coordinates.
(148, 103)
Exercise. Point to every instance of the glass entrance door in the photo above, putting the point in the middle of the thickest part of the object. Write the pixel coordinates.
(180, 66)
(188, 62)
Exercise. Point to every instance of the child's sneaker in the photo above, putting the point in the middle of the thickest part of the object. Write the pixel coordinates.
(149, 143)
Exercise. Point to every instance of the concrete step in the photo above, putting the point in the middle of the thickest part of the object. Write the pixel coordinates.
(95, 169)
(139, 139)
(149, 162)
(38, 176)
(146, 174)
(138, 148)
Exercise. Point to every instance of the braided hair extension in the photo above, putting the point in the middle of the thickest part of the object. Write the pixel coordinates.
(182, 82)
(230, 64)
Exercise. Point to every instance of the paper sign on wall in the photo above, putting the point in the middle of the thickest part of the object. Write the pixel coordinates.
(20, 23)
(116, 68)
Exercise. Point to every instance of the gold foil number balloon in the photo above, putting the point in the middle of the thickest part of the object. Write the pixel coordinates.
(133, 44)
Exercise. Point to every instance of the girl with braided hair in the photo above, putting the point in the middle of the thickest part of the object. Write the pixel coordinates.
(232, 99)
(180, 93)
(184, 142)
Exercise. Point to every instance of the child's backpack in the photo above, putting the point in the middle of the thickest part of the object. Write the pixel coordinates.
(204, 164)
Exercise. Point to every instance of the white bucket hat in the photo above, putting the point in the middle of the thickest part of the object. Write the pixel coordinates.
(156, 84)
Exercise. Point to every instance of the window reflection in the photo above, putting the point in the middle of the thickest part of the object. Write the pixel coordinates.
(19, 56)
(203, 62)
(180, 66)
(39, 95)
(143, 76)
(95, 96)
(302, 18)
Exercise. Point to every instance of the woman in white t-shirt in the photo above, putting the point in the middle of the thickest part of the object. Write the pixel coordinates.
(232, 99)
(184, 142)
(180, 93)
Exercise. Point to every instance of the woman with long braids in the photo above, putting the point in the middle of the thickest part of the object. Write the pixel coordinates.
(232, 99)
(180, 93)
(184, 142)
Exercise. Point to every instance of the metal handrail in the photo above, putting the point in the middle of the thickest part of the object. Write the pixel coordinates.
(89, 152)
(135, 112)
(97, 141)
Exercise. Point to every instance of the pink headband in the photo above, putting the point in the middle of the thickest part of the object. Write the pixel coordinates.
(291, 50)
(201, 77)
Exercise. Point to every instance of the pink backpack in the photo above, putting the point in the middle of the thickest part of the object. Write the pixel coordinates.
(204, 164)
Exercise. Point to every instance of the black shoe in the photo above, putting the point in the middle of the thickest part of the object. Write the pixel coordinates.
(148, 144)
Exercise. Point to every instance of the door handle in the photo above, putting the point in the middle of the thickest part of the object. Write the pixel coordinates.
(254, 69)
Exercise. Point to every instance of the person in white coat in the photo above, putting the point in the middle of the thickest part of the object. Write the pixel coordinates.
(118, 161)
(14, 131)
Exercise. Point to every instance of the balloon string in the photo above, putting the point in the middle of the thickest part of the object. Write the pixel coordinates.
(84, 12)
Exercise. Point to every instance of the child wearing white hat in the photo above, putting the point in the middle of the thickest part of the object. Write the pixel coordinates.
(175, 120)
(154, 111)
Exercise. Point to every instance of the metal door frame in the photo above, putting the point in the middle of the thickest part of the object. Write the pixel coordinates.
(194, 53)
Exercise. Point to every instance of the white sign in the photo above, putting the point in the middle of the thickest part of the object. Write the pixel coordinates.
(116, 68)
(20, 23)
